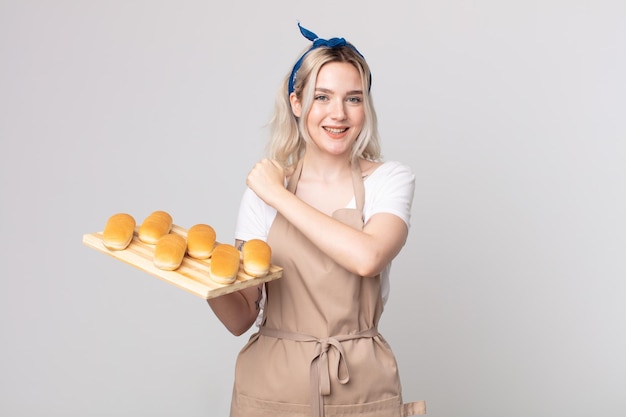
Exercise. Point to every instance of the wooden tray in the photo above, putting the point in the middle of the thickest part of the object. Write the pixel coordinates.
(192, 275)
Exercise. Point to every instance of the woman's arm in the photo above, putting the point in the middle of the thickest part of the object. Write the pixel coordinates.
(364, 252)
(238, 310)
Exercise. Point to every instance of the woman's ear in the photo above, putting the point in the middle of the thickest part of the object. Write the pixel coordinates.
(296, 106)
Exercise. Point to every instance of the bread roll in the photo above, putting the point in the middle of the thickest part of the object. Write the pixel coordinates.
(200, 241)
(225, 264)
(118, 231)
(169, 251)
(157, 224)
(257, 255)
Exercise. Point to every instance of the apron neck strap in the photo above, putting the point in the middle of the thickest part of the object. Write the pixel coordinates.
(295, 177)
(357, 184)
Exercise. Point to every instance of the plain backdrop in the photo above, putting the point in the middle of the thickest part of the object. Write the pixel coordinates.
(509, 298)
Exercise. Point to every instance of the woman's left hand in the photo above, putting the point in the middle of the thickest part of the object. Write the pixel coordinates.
(266, 179)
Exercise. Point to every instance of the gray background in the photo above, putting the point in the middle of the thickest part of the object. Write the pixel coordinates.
(509, 298)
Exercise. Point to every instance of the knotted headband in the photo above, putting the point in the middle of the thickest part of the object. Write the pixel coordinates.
(317, 42)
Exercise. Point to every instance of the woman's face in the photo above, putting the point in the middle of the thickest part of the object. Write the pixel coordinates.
(337, 113)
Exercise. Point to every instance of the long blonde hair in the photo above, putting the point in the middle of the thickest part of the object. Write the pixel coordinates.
(288, 133)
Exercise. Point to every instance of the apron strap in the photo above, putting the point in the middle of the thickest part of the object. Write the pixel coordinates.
(320, 366)
(295, 176)
(359, 187)
(414, 408)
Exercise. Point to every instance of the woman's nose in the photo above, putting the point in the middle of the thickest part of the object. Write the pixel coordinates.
(338, 110)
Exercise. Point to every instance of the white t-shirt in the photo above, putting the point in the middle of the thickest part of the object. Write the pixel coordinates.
(389, 189)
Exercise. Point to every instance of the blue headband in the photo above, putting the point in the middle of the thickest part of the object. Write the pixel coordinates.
(317, 42)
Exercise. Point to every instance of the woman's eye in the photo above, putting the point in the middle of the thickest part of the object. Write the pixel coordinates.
(321, 98)
(355, 99)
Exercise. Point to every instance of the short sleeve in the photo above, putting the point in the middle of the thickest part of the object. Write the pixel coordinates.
(252, 217)
(391, 189)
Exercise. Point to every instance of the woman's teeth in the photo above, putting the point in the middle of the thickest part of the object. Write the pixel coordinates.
(335, 131)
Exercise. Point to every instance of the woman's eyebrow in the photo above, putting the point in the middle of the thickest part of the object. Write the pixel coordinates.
(329, 91)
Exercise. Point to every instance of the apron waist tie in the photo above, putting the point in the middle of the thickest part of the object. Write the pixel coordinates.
(320, 374)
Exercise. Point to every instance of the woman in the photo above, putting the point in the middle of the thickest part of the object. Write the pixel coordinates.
(335, 217)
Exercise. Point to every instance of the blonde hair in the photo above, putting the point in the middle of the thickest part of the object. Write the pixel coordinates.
(288, 133)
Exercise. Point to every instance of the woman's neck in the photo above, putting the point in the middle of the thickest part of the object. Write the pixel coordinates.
(325, 168)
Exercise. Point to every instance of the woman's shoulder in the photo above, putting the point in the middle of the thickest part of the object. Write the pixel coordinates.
(389, 189)
(382, 170)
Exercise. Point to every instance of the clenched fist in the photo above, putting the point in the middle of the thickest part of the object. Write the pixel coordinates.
(267, 180)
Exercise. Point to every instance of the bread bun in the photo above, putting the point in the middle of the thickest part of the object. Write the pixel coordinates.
(200, 241)
(225, 263)
(169, 251)
(257, 256)
(157, 224)
(118, 231)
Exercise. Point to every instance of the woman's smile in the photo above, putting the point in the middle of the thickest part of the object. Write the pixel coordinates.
(336, 132)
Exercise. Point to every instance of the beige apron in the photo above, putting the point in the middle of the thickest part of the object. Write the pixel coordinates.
(318, 352)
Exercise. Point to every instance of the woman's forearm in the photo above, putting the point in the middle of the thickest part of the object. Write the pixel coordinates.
(364, 252)
(238, 310)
